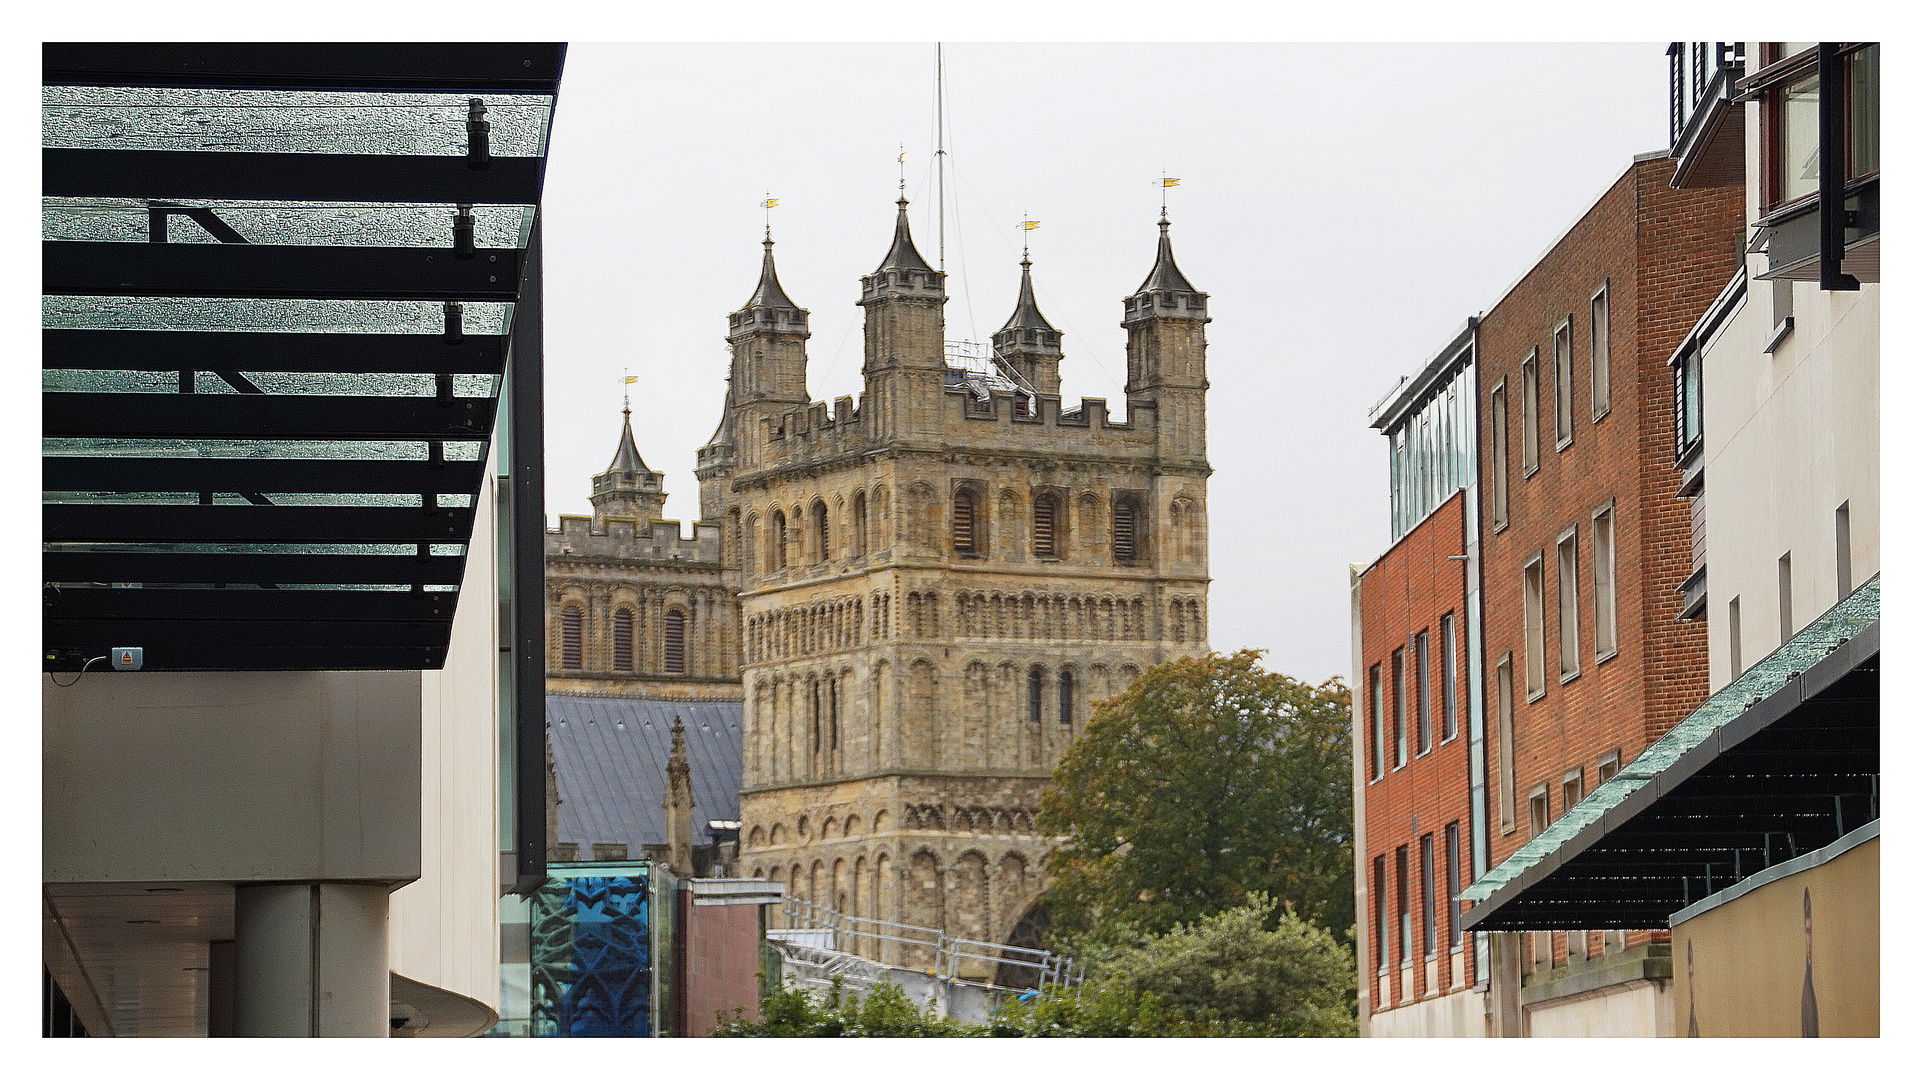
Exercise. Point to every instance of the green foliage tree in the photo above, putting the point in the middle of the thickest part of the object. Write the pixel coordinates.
(1209, 780)
(837, 1012)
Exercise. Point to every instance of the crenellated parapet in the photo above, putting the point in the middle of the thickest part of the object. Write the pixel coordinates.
(626, 539)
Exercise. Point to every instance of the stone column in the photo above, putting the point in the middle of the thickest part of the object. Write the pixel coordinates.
(310, 960)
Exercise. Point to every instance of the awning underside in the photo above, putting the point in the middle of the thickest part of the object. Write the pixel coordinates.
(1755, 777)
(278, 286)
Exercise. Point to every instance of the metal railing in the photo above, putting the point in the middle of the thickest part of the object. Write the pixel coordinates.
(933, 951)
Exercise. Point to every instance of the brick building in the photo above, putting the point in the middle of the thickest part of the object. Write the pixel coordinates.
(1571, 531)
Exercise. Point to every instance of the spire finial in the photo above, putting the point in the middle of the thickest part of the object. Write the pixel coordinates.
(902, 161)
(1166, 183)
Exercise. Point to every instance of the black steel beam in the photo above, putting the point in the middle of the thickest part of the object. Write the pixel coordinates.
(459, 67)
(259, 474)
(1831, 130)
(229, 523)
(198, 350)
(262, 416)
(524, 504)
(234, 646)
(198, 175)
(272, 271)
(198, 568)
(282, 605)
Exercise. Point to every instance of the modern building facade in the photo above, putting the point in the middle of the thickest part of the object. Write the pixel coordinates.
(936, 582)
(1751, 830)
(1538, 540)
(291, 727)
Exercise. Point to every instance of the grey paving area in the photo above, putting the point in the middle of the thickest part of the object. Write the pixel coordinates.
(610, 761)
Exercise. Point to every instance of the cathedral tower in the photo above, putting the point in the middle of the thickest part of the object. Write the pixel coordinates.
(627, 489)
(936, 586)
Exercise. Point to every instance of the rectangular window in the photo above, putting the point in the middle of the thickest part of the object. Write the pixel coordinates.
(1538, 810)
(1452, 843)
(1785, 596)
(1498, 451)
(1505, 736)
(1598, 359)
(1428, 895)
(1688, 400)
(1399, 688)
(1571, 789)
(1568, 647)
(1531, 415)
(1606, 768)
(674, 643)
(1844, 562)
(1424, 731)
(1565, 384)
(1602, 567)
(1734, 638)
(1532, 628)
(1404, 916)
(1797, 161)
(1448, 677)
(1864, 90)
(1381, 915)
(1375, 720)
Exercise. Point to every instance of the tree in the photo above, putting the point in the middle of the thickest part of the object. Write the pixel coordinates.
(791, 1012)
(1207, 781)
(1253, 970)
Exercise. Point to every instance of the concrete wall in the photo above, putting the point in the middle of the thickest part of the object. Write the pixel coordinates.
(1452, 1016)
(1788, 438)
(232, 776)
(444, 928)
(1637, 1010)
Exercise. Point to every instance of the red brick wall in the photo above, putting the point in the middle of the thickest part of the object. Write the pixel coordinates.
(1406, 591)
(1664, 255)
(722, 957)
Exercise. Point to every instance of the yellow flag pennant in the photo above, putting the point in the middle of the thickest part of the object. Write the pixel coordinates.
(1030, 226)
(632, 379)
(771, 203)
(1170, 181)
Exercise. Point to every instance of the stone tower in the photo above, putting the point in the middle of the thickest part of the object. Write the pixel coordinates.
(937, 584)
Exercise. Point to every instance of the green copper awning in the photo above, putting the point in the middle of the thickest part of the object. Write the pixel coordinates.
(1782, 761)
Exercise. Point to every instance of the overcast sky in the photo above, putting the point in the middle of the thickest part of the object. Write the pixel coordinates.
(1346, 208)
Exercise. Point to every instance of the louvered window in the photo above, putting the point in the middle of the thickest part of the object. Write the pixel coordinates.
(1067, 696)
(1034, 696)
(571, 639)
(964, 521)
(1044, 526)
(674, 643)
(777, 542)
(1124, 532)
(624, 640)
(821, 552)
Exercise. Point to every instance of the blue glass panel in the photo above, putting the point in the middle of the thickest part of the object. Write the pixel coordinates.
(591, 960)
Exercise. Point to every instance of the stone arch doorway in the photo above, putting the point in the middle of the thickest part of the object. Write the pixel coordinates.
(1030, 932)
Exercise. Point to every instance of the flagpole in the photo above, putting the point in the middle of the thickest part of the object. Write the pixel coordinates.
(940, 161)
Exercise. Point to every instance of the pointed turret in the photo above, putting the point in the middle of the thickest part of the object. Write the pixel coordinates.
(766, 378)
(1028, 342)
(679, 805)
(903, 272)
(903, 256)
(628, 489)
(1167, 321)
(768, 294)
(905, 355)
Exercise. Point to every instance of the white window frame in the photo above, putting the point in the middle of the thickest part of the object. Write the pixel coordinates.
(1568, 594)
(1601, 570)
(1572, 779)
(1599, 361)
(1534, 629)
(1531, 413)
(1564, 383)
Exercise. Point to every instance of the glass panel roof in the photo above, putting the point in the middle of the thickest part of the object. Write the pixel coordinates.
(295, 316)
(1817, 640)
(302, 449)
(426, 225)
(405, 384)
(274, 121)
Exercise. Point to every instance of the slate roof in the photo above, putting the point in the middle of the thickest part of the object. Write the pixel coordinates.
(610, 761)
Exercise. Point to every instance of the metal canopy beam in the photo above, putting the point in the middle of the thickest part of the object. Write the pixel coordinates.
(263, 416)
(461, 67)
(248, 569)
(270, 605)
(206, 350)
(268, 271)
(255, 524)
(190, 174)
(259, 474)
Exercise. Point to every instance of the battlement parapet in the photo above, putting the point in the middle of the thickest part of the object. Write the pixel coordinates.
(625, 538)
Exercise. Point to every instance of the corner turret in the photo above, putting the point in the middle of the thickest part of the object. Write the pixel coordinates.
(1167, 321)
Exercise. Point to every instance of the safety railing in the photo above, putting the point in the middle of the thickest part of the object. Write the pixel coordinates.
(942, 954)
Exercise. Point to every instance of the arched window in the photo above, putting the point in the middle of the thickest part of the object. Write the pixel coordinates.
(858, 525)
(674, 642)
(964, 521)
(624, 640)
(820, 513)
(1067, 695)
(777, 542)
(1126, 525)
(750, 553)
(1034, 695)
(1045, 523)
(570, 638)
